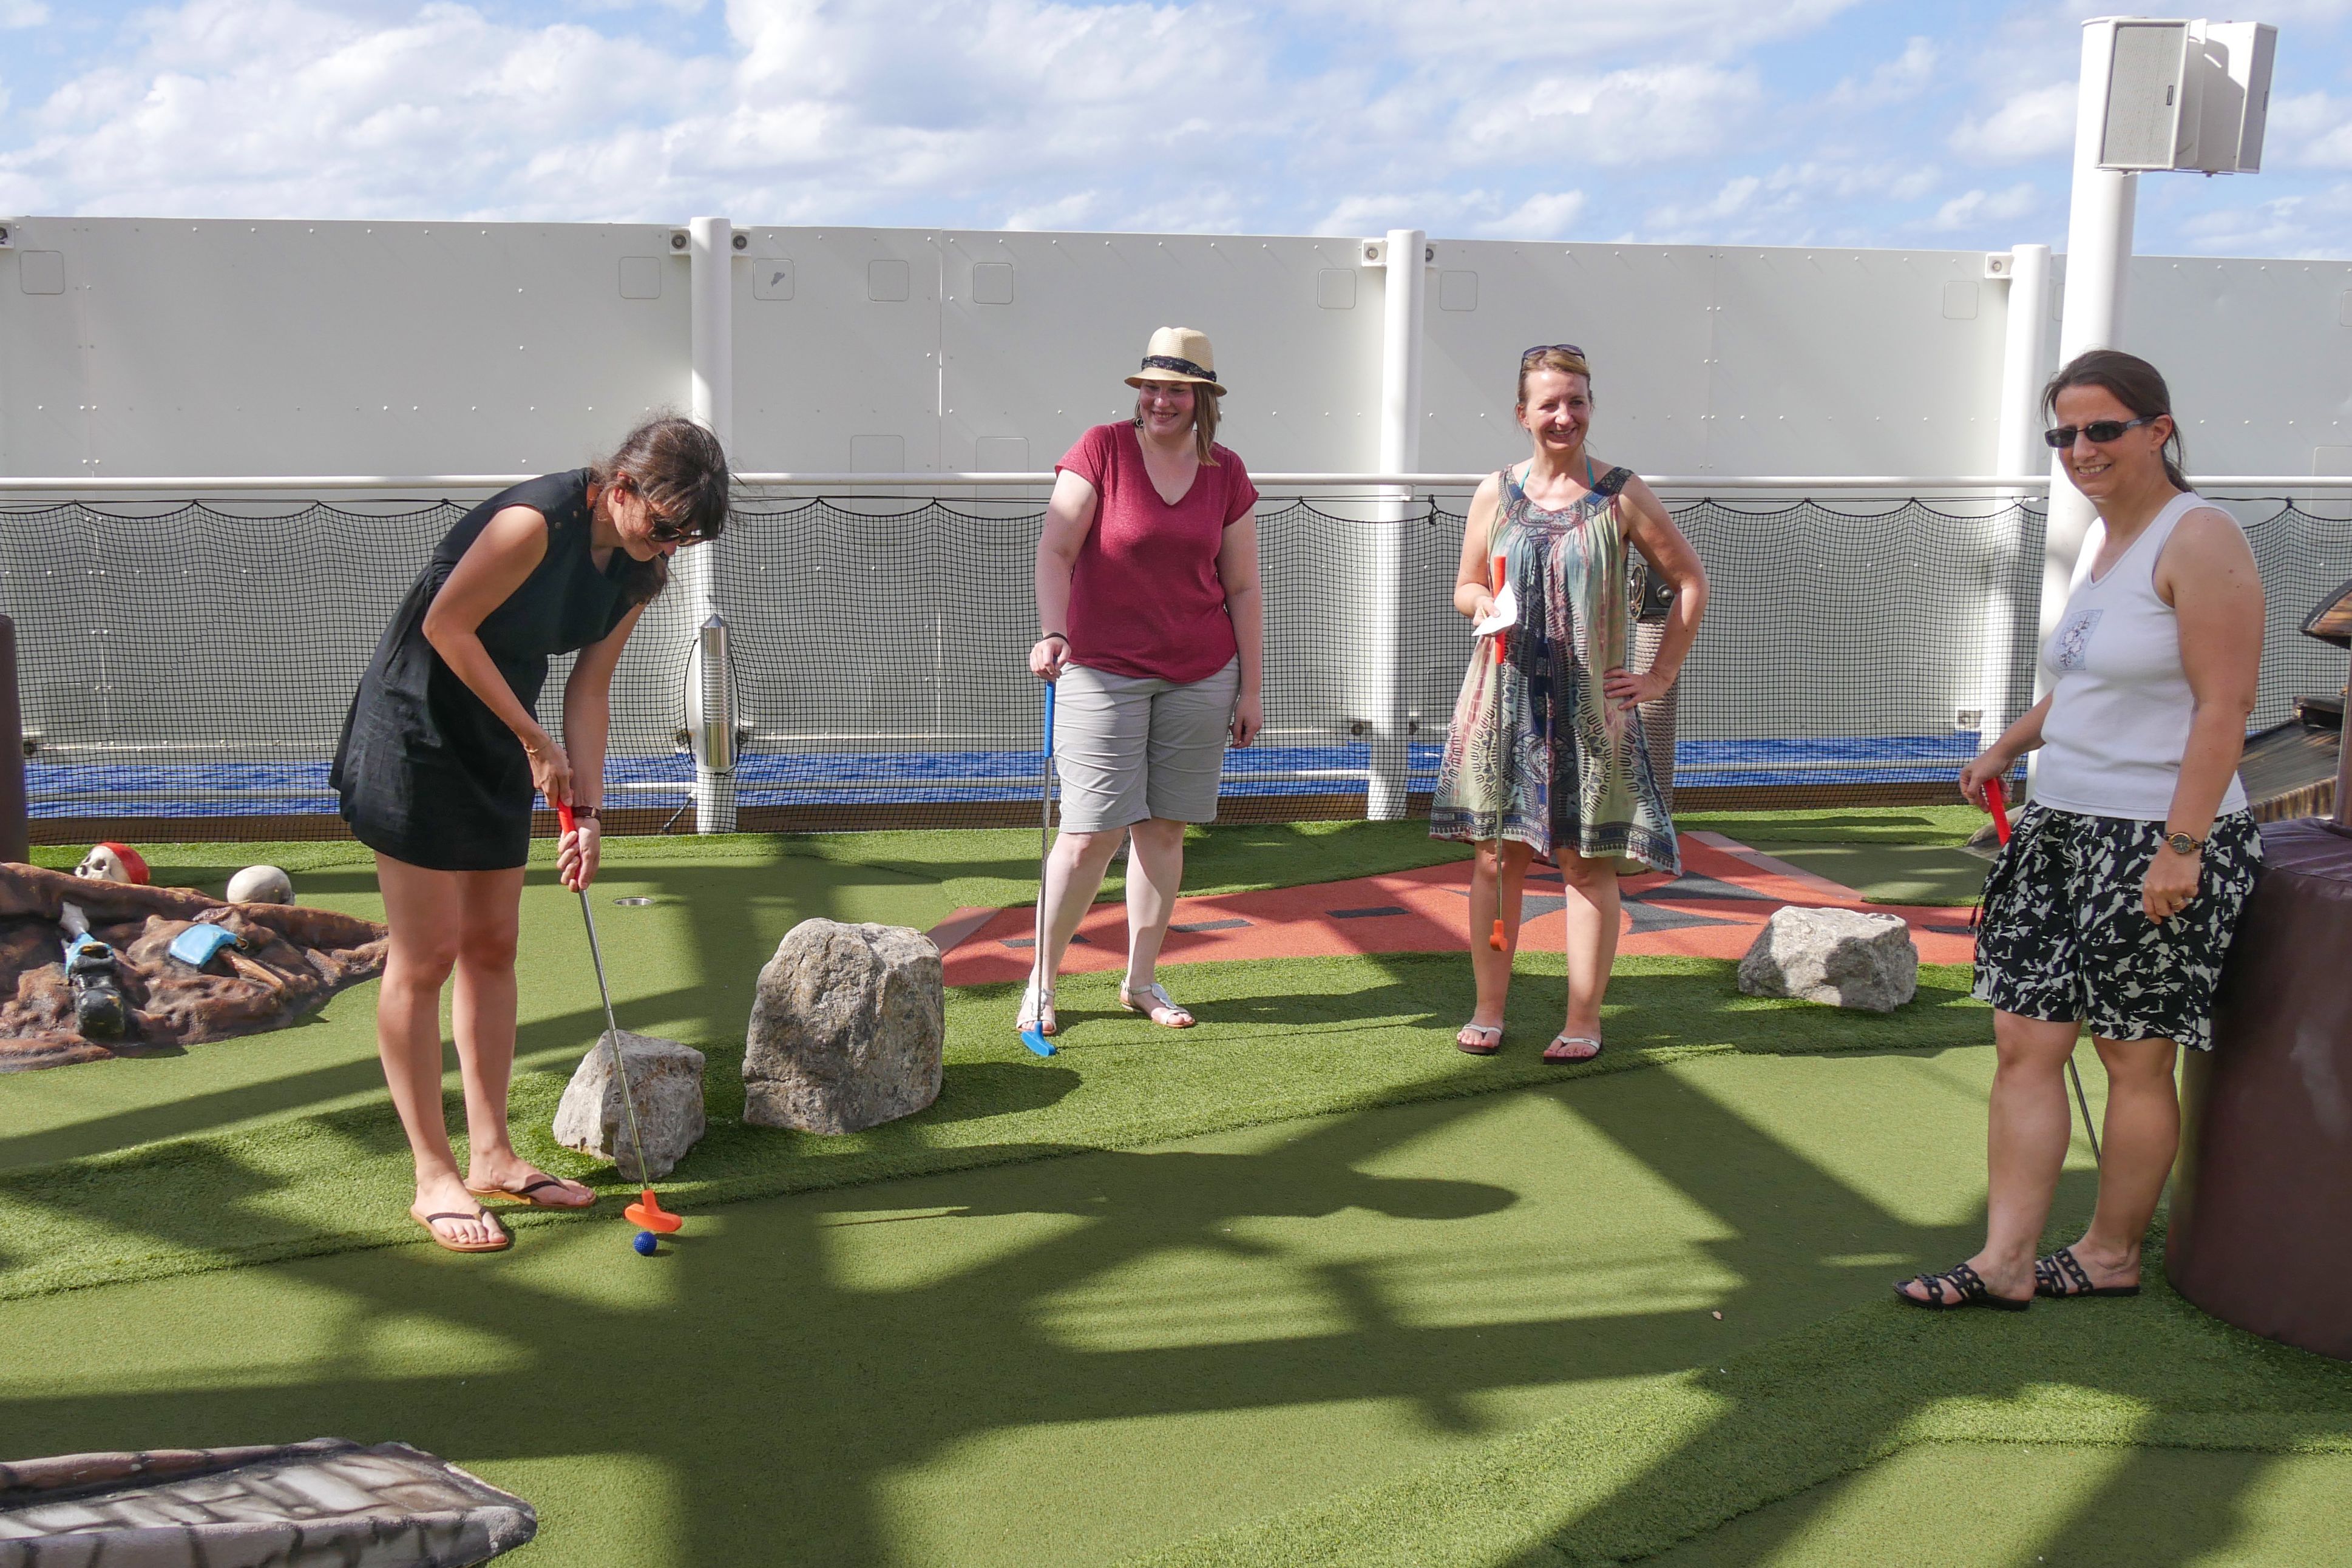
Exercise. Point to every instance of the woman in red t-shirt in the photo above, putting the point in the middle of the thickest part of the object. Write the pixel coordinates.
(1152, 627)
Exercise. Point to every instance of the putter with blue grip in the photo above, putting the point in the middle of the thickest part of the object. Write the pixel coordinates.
(1033, 1036)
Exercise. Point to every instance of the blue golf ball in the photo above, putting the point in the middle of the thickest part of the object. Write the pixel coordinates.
(645, 1242)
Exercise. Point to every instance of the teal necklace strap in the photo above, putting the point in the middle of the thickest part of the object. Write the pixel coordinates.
(1518, 476)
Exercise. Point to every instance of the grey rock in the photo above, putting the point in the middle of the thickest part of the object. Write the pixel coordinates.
(846, 1029)
(1841, 956)
(326, 1502)
(665, 1083)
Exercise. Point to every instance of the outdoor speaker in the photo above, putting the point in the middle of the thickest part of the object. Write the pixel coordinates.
(2188, 95)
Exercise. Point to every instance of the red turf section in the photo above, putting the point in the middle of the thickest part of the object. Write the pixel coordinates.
(1711, 911)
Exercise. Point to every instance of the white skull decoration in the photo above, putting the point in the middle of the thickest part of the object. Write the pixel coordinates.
(111, 863)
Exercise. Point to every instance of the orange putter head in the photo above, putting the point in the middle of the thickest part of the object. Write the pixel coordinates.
(1494, 937)
(648, 1213)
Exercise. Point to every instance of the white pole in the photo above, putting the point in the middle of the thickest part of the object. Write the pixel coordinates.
(710, 299)
(1405, 293)
(2098, 260)
(2017, 449)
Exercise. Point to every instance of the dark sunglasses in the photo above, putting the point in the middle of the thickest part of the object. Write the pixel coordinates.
(662, 531)
(1548, 348)
(2101, 431)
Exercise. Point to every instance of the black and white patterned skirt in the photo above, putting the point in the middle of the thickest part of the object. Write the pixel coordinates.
(2064, 938)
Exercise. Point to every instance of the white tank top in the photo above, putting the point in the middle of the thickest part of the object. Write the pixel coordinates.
(2120, 705)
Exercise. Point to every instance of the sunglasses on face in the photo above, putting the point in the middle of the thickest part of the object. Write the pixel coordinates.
(662, 531)
(2100, 431)
(1541, 349)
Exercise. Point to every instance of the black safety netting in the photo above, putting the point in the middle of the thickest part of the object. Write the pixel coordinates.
(194, 662)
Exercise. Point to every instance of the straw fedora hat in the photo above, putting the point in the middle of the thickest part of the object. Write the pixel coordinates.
(1178, 354)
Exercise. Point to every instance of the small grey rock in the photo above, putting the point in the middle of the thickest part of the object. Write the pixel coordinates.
(1841, 956)
(665, 1081)
(846, 1030)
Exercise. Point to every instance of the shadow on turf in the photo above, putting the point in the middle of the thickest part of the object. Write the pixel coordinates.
(768, 1389)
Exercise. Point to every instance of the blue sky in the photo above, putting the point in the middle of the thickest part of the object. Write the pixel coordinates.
(1754, 122)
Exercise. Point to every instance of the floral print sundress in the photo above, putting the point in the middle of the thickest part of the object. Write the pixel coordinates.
(1537, 751)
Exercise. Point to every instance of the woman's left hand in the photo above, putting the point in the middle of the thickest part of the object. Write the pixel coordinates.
(1249, 718)
(580, 855)
(2170, 883)
(1630, 691)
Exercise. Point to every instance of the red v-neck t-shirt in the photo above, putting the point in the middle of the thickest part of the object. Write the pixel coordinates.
(1145, 597)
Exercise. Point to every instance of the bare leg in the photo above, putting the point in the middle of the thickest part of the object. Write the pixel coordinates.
(1073, 873)
(1155, 869)
(422, 909)
(2025, 1145)
(2142, 1134)
(1498, 873)
(1592, 911)
(484, 1012)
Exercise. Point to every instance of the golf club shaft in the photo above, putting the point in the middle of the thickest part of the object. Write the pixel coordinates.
(2083, 1100)
(1045, 848)
(612, 1025)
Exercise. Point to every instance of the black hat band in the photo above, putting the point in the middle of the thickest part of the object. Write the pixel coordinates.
(1182, 367)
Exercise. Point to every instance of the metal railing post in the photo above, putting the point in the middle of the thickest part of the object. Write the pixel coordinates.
(710, 299)
(1407, 289)
(14, 830)
(2010, 608)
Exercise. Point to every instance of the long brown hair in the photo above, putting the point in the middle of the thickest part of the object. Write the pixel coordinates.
(2137, 385)
(680, 469)
(1205, 421)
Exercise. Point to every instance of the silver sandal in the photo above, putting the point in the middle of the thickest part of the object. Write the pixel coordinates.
(1037, 1010)
(1156, 1000)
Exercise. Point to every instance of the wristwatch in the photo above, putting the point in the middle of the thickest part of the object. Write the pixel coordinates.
(2182, 844)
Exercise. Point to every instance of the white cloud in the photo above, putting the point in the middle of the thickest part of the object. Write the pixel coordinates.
(2036, 123)
(15, 13)
(1894, 82)
(1508, 32)
(1974, 207)
(2310, 128)
(1546, 215)
(1645, 114)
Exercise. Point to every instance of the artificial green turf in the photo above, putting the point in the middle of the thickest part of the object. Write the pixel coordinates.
(1889, 854)
(981, 867)
(2099, 1507)
(1072, 1361)
(1278, 1039)
(1676, 1458)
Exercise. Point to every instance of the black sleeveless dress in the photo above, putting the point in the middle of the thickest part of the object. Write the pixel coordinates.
(427, 772)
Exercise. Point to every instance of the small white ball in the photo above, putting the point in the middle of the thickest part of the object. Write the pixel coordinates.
(261, 884)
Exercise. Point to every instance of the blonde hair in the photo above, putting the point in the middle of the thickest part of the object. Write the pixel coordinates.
(1558, 359)
(1204, 419)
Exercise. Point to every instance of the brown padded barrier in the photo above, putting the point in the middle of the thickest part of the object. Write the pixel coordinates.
(2261, 1203)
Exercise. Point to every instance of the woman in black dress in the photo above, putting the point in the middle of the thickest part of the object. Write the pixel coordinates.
(442, 753)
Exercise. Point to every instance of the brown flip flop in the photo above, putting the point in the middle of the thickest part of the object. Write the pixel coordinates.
(500, 1245)
(522, 1194)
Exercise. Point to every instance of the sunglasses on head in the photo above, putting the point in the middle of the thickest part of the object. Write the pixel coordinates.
(2100, 431)
(1548, 348)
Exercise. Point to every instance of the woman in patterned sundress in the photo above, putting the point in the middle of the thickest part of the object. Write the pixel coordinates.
(1545, 757)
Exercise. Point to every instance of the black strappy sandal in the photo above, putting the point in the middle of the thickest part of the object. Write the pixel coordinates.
(2062, 1274)
(1968, 1288)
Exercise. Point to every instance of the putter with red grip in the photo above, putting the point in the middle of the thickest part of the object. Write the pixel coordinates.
(1996, 802)
(646, 1213)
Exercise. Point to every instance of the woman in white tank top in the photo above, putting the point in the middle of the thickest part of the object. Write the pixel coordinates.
(2112, 904)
